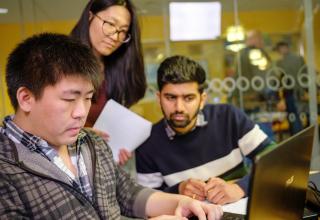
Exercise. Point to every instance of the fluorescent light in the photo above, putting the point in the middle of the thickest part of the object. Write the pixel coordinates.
(194, 20)
(3, 10)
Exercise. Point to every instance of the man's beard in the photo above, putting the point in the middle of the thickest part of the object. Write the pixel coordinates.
(181, 123)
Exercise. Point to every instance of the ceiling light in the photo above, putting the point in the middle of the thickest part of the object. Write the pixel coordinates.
(235, 37)
(235, 47)
(235, 33)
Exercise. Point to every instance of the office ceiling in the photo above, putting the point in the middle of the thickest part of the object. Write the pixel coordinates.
(50, 10)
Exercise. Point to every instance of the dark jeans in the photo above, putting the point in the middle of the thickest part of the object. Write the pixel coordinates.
(294, 125)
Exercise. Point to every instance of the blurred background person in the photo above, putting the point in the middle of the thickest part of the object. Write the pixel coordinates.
(290, 64)
(254, 61)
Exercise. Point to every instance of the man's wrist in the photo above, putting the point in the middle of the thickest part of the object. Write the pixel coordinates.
(181, 187)
(240, 191)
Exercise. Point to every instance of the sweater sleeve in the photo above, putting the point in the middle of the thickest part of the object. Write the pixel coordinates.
(252, 141)
(251, 138)
(170, 189)
(245, 180)
(244, 184)
(148, 175)
(147, 172)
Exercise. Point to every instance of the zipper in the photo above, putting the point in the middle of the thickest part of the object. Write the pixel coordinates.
(93, 159)
(83, 199)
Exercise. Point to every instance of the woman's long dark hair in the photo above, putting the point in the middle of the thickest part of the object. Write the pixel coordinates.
(124, 68)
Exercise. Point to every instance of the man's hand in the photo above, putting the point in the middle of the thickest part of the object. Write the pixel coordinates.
(160, 203)
(168, 217)
(193, 188)
(220, 192)
(203, 211)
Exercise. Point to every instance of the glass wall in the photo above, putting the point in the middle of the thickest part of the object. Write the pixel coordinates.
(265, 61)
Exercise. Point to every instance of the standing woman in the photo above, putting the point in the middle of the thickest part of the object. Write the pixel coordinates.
(110, 28)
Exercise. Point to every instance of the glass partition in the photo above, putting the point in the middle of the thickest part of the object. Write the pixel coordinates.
(261, 62)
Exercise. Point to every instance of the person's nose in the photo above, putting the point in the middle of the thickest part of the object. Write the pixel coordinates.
(115, 36)
(81, 109)
(179, 105)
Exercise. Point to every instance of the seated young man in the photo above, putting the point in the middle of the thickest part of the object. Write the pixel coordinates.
(50, 168)
(195, 147)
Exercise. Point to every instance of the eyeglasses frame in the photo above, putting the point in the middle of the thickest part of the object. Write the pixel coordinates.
(127, 39)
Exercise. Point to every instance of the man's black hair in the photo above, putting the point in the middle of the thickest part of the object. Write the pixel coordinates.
(44, 59)
(180, 69)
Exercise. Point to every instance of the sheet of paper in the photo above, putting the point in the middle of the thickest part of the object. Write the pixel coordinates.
(125, 128)
(239, 207)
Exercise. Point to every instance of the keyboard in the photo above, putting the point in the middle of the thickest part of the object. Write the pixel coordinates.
(308, 215)
(232, 216)
(226, 216)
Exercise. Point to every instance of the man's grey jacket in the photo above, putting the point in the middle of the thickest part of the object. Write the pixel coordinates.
(32, 187)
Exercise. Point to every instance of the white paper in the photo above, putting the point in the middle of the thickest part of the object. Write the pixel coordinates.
(125, 128)
(239, 207)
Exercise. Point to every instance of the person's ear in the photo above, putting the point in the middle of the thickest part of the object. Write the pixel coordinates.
(158, 96)
(25, 99)
(90, 16)
(203, 99)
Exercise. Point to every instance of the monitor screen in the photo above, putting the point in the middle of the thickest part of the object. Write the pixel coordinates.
(194, 20)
